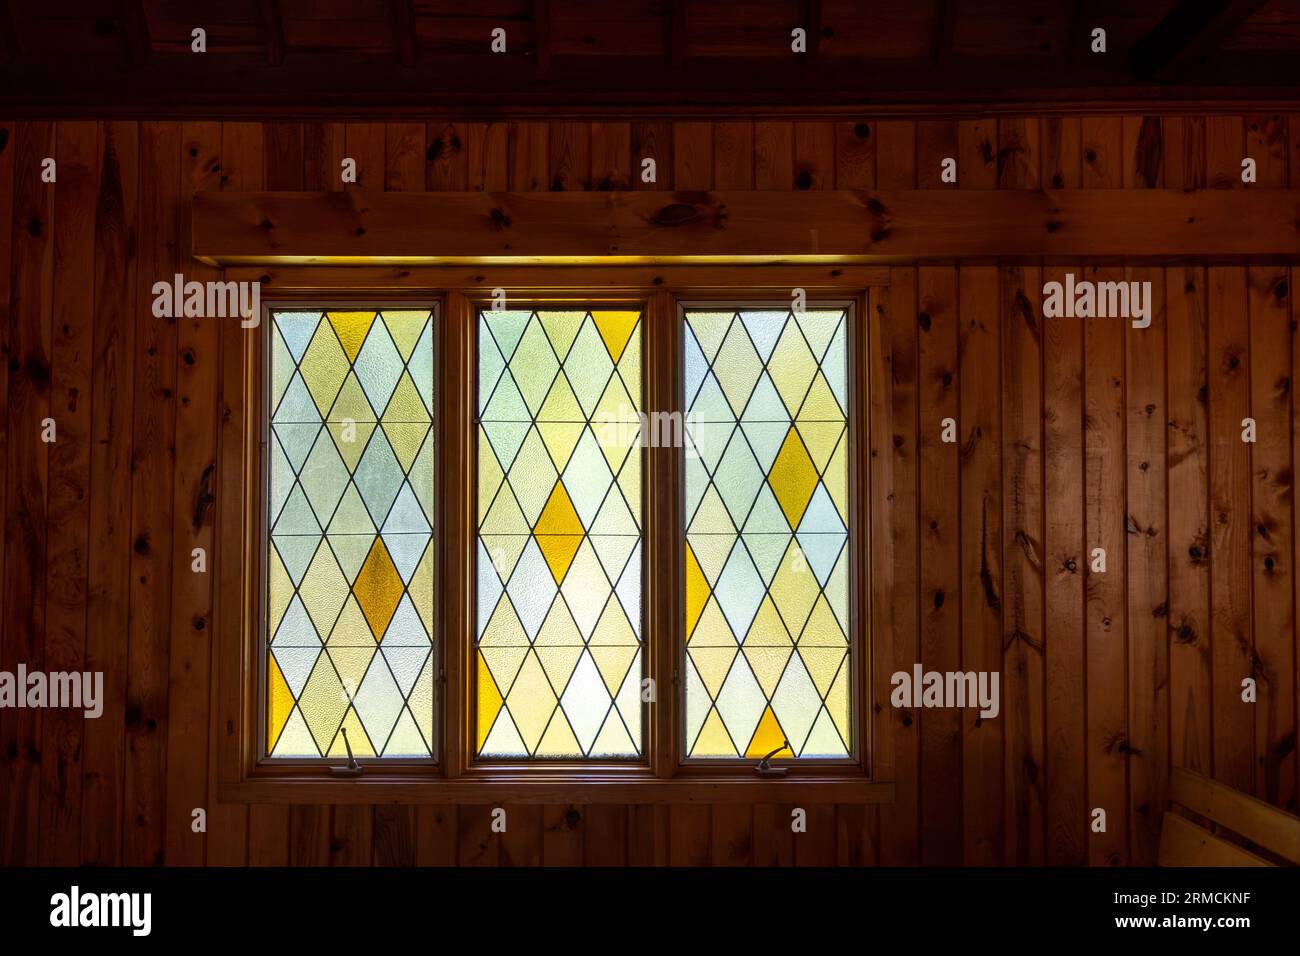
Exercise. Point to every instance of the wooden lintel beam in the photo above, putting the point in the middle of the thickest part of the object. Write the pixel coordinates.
(404, 41)
(273, 30)
(1190, 31)
(812, 226)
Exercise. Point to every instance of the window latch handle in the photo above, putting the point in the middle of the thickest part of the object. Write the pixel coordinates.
(352, 768)
(764, 766)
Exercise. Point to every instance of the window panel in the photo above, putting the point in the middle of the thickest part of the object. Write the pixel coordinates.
(350, 562)
(767, 654)
(558, 650)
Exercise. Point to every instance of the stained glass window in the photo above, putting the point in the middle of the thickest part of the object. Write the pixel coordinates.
(768, 659)
(559, 550)
(350, 560)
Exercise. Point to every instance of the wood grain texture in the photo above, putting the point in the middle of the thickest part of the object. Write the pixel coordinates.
(65, 636)
(1073, 434)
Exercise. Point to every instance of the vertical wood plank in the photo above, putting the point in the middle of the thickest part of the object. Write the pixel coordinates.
(394, 832)
(562, 835)
(689, 834)
(323, 148)
(1105, 527)
(570, 157)
(732, 835)
(404, 156)
(936, 140)
(733, 155)
(818, 845)
(364, 143)
(309, 835)
(446, 157)
(773, 839)
(351, 835)
(1232, 645)
(647, 838)
(529, 156)
(1024, 626)
(692, 155)
(26, 485)
(488, 157)
(978, 349)
(773, 155)
(855, 155)
(982, 586)
(1147, 561)
(898, 648)
(940, 559)
(152, 479)
(814, 155)
(897, 154)
(242, 150)
(284, 165)
(62, 730)
(606, 836)
(1189, 556)
(521, 844)
(1272, 493)
(189, 657)
(8, 132)
(116, 229)
(652, 141)
(268, 835)
(436, 835)
(611, 156)
(1063, 538)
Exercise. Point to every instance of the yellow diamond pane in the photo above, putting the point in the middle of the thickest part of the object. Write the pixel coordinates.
(768, 657)
(559, 538)
(349, 644)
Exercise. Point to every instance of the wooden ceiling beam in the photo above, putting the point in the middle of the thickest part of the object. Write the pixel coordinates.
(9, 45)
(944, 29)
(1190, 31)
(135, 31)
(273, 30)
(405, 45)
(675, 27)
(542, 32)
(814, 226)
(348, 86)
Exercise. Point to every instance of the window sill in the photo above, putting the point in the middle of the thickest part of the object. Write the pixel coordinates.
(571, 789)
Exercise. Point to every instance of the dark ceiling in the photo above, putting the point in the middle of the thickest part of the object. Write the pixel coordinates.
(353, 58)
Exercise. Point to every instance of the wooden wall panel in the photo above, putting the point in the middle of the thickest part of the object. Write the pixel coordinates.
(26, 483)
(107, 608)
(195, 440)
(1072, 434)
(69, 493)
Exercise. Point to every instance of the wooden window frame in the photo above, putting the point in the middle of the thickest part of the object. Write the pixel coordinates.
(454, 776)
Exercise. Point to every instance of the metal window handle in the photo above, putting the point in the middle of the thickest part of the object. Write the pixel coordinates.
(764, 766)
(352, 769)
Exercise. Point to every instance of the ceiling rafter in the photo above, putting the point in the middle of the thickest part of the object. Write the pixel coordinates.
(273, 28)
(1188, 33)
(404, 38)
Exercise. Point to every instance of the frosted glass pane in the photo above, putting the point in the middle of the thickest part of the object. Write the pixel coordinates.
(350, 559)
(559, 503)
(768, 659)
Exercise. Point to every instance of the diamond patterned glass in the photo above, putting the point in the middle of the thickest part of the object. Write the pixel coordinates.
(767, 656)
(350, 558)
(558, 663)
